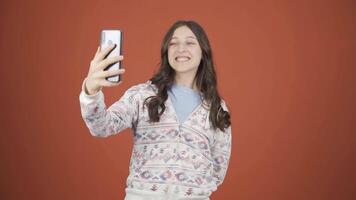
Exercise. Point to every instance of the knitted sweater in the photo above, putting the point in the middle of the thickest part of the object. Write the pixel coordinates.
(186, 158)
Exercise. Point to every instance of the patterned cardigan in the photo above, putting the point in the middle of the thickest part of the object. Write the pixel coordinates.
(187, 158)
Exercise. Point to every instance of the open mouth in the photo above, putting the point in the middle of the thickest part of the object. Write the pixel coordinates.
(182, 58)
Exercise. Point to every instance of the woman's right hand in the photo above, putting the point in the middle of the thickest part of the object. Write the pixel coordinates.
(96, 78)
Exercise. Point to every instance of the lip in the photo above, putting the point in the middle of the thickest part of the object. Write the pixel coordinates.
(189, 58)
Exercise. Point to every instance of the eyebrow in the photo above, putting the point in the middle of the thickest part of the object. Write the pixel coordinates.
(185, 37)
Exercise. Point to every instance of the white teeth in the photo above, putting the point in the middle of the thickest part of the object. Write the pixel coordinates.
(182, 59)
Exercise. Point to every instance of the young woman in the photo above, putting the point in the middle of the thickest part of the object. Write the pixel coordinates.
(181, 126)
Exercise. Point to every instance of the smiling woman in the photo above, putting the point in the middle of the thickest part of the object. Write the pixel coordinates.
(184, 54)
(182, 131)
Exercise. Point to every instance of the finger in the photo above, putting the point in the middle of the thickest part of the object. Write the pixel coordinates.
(95, 59)
(97, 52)
(104, 52)
(107, 83)
(108, 61)
(108, 73)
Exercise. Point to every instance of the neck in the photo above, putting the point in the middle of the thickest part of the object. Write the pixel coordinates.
(185, 80)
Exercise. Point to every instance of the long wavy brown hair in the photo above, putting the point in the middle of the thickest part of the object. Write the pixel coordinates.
(205, 79)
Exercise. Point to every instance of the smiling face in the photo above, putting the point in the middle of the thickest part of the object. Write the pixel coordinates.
(184, 52)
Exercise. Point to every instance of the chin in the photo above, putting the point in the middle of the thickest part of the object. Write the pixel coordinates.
(182, 68)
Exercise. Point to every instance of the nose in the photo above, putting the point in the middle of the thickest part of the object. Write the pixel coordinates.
(181, 47)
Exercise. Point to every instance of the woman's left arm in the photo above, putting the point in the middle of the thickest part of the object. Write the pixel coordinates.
(221, 151)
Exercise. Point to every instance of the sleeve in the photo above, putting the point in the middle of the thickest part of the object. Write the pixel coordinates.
(104, 122)
(221, 151)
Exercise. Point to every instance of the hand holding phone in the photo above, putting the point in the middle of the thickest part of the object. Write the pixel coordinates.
(103, 68)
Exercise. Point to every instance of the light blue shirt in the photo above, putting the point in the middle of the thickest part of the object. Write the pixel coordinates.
(184, 100)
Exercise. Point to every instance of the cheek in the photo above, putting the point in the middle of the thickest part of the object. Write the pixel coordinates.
(170, 52)
(170, 57)
(198, 54)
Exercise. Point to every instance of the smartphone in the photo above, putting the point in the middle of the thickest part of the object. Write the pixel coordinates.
(109, 37)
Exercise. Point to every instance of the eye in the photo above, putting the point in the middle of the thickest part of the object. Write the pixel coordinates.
(191, 43)
(172, 43)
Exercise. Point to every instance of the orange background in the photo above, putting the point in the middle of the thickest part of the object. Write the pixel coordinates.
(285, 68)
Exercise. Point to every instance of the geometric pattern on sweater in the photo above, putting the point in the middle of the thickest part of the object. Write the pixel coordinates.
(186, 158)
